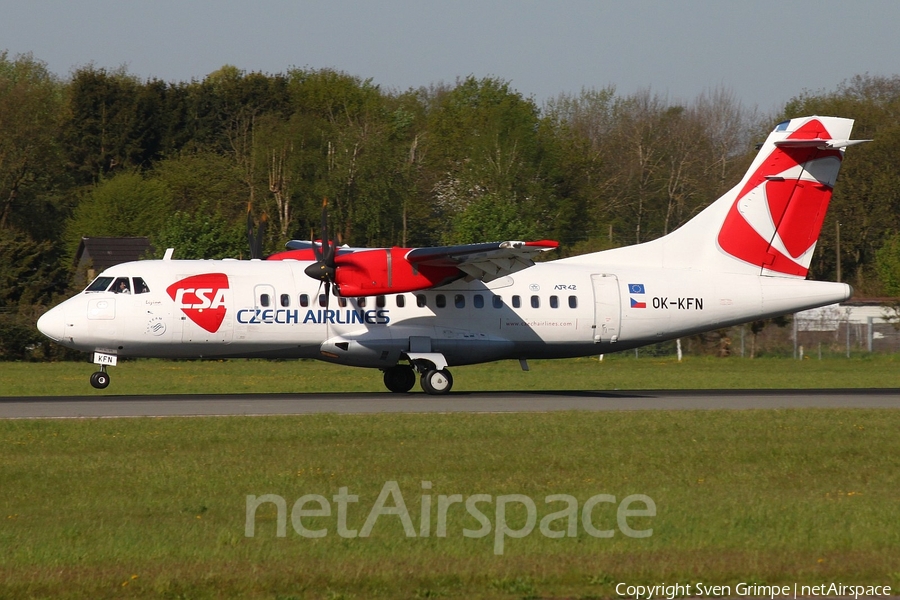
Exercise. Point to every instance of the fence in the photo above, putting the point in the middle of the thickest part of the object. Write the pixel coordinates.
(827, 332)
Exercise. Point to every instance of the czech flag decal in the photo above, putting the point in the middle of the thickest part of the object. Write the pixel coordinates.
(636, 304)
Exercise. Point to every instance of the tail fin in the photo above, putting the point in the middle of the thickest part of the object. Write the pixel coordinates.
(774, 221)
(768, 224)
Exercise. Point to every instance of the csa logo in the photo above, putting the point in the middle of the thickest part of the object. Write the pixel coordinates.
(202, 299)
(776, 219)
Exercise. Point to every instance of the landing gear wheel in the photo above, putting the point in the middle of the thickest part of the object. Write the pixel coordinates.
(399, 379)
(436, 382)
(100, 380)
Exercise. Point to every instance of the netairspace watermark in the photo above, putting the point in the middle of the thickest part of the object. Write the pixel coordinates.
(755, 590)
(557, 524)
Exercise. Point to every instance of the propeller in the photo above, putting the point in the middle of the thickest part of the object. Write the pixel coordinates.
(325, 267)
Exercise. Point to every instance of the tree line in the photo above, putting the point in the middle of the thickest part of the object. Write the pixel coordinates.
(101, 152)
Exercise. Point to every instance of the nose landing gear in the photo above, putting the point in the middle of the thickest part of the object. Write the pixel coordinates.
(100, 379)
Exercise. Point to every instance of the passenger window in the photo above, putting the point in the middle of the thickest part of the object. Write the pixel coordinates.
(342, 302)
(304, 300)
(459, 301)
(478, 301)
(573, 302)
(535, 302)
(264, 300)
(497, 302)
(380, 301)
(361, 302)
(420, 300)
(140, 287)
(401, 300)
(99, 285)
(517, 302)
(323, 299)
(122, 286)
(440, 300)
(554, 302)
(285, 300)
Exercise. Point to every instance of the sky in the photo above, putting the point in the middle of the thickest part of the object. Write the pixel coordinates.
(765, 52)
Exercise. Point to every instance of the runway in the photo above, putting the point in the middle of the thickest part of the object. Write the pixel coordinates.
(480, 402)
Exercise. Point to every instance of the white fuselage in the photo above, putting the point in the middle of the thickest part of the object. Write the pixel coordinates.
(551, 310)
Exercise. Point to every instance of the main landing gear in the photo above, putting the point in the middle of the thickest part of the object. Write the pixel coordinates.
(100, 379)
(401, 378)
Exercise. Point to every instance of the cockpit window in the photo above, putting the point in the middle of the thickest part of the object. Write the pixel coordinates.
(122, 286)
(140, 287)
(99, 285)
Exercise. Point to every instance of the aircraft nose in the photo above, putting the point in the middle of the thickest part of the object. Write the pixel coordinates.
(53, 323)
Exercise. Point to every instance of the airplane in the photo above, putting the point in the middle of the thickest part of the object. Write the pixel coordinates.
(415, 312)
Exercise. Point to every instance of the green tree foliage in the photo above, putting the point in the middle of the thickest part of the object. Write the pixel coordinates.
(201, 235)
(866, 202)
(204, 178)
(482, 147)
(888, 265)
(110, 124)
(126, 205)
(639, 166)
(345, 145)
(491, 218)
(31, 273)
(105, 153)
(31, 169)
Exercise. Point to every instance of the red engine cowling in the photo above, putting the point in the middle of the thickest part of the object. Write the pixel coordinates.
(378, 271)
(386, 271)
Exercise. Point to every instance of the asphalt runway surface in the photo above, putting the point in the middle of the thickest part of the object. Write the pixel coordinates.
(475, 402)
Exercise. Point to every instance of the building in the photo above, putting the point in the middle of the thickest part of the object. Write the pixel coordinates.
(95, 254)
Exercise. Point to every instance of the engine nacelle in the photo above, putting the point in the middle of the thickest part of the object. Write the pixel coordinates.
(386, 271)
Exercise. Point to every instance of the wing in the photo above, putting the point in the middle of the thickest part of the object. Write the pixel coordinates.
(373, 271)
(482, 261)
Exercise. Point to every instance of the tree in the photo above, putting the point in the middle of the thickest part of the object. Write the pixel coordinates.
(481, 142)
(30, 272)
(204, 178)
(201, 235)
(888, 265)
(30, 162)
(866, 201)
(126, 205)
(103, 130)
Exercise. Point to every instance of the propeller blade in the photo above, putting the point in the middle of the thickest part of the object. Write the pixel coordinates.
(256, 241)
(325, 267)
(327, 243)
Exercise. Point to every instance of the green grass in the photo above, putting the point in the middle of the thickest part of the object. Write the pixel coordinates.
(615, 372)
(151, 508)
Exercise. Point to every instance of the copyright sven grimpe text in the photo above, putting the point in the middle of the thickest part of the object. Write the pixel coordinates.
(671, 591)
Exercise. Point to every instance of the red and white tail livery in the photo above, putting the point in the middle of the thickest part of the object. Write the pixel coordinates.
(417, 311)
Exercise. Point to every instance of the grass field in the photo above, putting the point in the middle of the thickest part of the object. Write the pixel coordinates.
(157, 507)
(614, 372)
(149, 508)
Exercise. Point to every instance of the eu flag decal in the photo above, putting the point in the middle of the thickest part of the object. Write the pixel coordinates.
(636, 304)
(635, 288)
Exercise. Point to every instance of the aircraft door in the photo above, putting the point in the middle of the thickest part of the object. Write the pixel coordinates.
(607, 308)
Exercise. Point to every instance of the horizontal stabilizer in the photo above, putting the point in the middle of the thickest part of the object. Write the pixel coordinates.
(818, 143)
